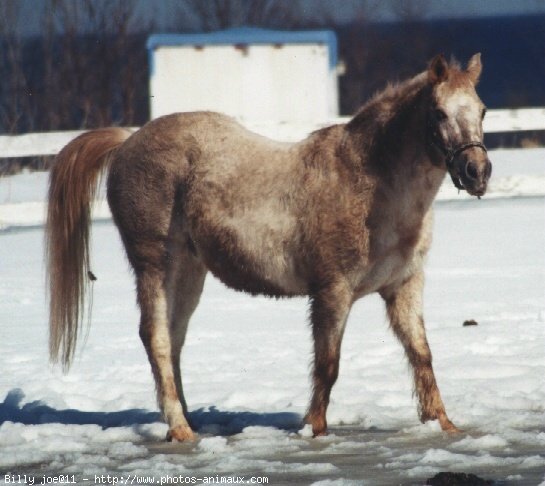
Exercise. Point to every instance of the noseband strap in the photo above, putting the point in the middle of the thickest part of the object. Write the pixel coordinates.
(452, 153)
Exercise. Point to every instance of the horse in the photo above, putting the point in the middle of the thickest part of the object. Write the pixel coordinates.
(342, 214)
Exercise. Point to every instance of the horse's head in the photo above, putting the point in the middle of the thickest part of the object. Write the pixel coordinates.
(454, 124)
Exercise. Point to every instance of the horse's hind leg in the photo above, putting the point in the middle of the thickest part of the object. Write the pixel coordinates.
(404, 306)
(144, 196)
(155, 332)
(185, 282)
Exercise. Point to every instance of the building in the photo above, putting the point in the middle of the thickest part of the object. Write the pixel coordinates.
(251, 74)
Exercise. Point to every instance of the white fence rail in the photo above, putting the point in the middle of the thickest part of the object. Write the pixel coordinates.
(35, 144)
(50, 143)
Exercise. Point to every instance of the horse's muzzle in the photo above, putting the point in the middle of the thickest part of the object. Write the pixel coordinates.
(473, 170)
(475, 176)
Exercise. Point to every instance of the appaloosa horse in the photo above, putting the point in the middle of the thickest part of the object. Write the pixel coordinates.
(339, 215)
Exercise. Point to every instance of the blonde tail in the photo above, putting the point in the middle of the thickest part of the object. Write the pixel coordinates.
(72, 185)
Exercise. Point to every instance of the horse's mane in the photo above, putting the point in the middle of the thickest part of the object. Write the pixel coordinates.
(393, 102)
(386, 106)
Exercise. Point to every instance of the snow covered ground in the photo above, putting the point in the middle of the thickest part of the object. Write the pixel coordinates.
(246, 362)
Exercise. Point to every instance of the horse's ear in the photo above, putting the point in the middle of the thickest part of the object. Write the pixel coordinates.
(474, 68)
(438, 69)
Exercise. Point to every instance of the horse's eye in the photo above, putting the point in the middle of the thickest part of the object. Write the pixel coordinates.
(439, 114)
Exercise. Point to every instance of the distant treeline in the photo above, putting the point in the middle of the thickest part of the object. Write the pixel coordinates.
(71, 81)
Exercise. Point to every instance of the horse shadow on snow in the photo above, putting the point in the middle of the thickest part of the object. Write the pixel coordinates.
(204, 420)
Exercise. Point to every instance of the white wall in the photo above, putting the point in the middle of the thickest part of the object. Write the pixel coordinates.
(291, 82)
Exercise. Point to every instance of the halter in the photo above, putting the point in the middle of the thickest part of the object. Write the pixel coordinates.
(451, 153)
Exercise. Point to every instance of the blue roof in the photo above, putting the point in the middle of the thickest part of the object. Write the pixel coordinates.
(249, 35)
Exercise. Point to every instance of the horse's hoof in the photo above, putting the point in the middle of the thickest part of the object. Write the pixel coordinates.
(448, 427)
(319, 425)
(319, 433)
(181, 433)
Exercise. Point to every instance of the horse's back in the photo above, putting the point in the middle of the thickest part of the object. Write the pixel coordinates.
(204, 140)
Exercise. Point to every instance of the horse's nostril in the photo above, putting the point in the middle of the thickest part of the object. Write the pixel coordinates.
(471, 170)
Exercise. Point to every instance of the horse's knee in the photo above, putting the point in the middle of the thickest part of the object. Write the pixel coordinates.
(326, 370)
(419, 356)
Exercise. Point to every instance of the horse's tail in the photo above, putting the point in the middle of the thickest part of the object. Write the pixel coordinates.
(73, 181)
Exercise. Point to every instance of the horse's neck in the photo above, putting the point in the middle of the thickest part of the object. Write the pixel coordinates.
(408, 181)
(412, 180)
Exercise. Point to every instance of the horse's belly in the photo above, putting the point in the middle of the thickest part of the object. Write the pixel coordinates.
(250, 253)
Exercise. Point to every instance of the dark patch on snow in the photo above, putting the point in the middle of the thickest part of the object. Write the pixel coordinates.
(458, 479)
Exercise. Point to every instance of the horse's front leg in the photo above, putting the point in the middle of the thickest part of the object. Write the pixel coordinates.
(404, 306)
(330, 309)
